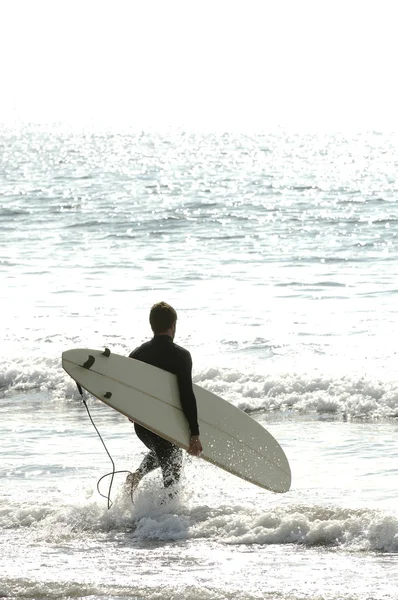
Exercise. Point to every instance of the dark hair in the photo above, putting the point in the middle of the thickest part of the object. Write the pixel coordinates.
(162, 317)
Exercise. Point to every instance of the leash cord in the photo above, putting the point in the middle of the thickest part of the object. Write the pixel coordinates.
(113, 472)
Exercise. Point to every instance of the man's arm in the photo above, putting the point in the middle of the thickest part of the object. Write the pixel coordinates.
(188, 402)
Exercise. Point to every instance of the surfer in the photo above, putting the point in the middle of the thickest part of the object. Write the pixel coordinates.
(162, 352)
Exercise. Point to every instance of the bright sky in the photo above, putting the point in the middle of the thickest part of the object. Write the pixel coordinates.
(202, 64)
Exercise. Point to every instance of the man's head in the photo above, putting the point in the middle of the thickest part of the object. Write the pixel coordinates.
(163, 319)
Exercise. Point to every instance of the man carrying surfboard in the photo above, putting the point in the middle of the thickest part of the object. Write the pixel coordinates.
(162, 352)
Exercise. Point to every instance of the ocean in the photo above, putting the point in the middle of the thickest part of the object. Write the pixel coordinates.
(279, 252)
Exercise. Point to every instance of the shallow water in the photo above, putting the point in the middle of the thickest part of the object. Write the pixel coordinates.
(335, 533)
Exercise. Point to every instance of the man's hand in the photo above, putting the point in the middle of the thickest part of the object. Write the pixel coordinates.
(195, 446)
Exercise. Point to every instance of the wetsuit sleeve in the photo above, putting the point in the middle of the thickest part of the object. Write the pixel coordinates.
(187, 396)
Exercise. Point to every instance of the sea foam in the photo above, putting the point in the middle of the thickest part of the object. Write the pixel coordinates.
(345, 396)
(149, 519)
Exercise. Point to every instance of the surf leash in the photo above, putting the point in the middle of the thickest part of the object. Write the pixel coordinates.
(113, 472)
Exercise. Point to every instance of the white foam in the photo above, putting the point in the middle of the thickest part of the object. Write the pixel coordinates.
(350, 396)
(150, 519)
(347, 395)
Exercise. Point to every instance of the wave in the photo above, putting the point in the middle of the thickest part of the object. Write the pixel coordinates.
(137, 589)
(355, 530)
(347, 396)
(9, 213)
(303, 284)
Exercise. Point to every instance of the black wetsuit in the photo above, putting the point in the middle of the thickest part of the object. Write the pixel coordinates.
(162, 352)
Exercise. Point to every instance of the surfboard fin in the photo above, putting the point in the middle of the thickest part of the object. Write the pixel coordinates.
(106, 352)
(89, 362)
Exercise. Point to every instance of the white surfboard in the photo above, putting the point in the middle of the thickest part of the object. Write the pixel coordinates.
(231, 439)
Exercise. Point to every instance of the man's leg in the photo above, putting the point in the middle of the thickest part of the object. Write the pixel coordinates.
(162, 453)
(150, 461)
(170, 458)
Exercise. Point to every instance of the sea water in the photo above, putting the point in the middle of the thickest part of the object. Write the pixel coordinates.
(279, 252)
